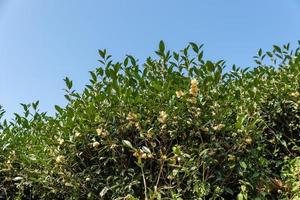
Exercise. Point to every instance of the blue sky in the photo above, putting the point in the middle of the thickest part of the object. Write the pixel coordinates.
(41, 42)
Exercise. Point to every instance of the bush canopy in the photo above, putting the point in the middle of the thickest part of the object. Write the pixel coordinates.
(176, 127)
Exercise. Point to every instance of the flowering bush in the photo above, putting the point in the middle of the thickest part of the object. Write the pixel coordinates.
(176, 127)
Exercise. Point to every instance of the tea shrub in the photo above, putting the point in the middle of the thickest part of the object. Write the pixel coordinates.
(176, 127)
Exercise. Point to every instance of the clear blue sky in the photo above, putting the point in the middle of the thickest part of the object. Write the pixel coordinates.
(41, 42)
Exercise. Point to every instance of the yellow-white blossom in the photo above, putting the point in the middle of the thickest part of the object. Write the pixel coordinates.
(204, 129)
(179, 94)
(101, 132)
(231, 157)
(133, 120)
(88, 179)
(113, 146)
(131, 117)
(96, 144)
(149, 133)
(60, 159)
(192, 100)
(60, 141)
(194, 88)
(248, 140)
(218, 127)
(8, 164)
(77, 134)
(295, 94)
(140, 154)
(162, 117)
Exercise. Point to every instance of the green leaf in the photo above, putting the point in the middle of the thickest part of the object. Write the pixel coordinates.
(260, 52)
(243, 164)
(240, 196)
(102, 53)
(200, 56)
(228, 190)
(176, 56)
(210, 66)
(68, 82)
(35, 105)
(194, 47)
(100, 71)
(94, 76)
(58, 109)
(161, 46)
(277, 48)
(270, 54)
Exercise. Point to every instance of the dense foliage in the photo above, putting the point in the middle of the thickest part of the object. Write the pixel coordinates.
(176, 127)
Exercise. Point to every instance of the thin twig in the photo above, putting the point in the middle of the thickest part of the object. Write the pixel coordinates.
(159, 174)
(145, 184)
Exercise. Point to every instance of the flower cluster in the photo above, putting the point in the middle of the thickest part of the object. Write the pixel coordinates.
(131, 117)
(102, 133)
(295, 94)
(133, 120)
(60, 141)
(144, 153)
